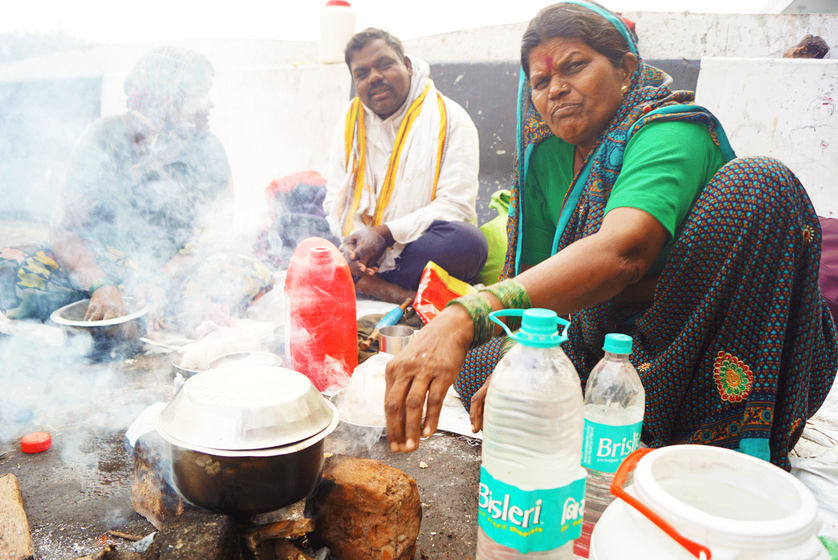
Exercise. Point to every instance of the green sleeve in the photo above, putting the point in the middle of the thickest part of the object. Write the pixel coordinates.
(665, 168)
(548, 178)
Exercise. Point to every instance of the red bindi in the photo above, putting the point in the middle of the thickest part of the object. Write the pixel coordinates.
(548, 62)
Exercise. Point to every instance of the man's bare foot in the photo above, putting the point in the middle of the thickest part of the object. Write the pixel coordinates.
(379, 288)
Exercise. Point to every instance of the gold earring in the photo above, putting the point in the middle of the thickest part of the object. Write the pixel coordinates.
(623, 90)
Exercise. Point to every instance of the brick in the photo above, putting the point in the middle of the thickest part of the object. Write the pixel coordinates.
(365, 510)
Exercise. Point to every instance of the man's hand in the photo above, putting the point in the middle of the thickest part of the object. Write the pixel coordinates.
(363, 248)
(105, 303)
(426, 368)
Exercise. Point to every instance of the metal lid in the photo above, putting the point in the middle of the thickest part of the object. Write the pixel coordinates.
(245, 407)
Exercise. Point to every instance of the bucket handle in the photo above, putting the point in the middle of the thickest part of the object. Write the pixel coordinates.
(627, 466)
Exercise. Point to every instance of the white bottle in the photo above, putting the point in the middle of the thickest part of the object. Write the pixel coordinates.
(614, 406)
(337, 26)
(531, 481)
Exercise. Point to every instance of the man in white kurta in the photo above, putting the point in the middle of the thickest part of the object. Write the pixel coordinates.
(402, 180)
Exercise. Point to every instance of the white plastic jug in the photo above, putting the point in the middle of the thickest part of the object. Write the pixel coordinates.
(735, 506)
(337, 26)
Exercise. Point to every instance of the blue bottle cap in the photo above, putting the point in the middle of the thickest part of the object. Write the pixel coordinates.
(539, 327)
(617, 343)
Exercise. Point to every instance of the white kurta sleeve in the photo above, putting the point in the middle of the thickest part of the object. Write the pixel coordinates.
(456, 192)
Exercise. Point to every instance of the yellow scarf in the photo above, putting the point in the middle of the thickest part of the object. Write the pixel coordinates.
(357, 159)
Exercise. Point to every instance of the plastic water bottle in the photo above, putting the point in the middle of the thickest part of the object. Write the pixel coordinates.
(614, 405)
(321, 333)
(532, 485)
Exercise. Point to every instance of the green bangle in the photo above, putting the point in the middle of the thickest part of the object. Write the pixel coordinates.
(512, 295)
(99, 282)
(478, 308)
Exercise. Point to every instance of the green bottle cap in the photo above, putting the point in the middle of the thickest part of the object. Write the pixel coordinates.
(617, 343)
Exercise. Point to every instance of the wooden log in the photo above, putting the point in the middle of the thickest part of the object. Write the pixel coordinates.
(126, 536)
(279, 530)
(15, 539)
(264, 551)
(284, 550)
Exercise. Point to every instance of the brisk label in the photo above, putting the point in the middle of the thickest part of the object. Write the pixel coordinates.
(608, 448)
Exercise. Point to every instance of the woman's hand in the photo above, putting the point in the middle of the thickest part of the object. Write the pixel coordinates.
(478, 399)
(153, 295)
(105, 303)
(427, 367)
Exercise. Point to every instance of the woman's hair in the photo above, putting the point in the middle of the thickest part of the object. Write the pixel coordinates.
(367, 36)
(572, 21)
(163, 77)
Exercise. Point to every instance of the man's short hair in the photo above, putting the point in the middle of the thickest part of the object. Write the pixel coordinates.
(367, 36)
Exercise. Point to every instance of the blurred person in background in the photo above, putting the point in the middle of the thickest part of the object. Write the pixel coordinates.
(145, 198)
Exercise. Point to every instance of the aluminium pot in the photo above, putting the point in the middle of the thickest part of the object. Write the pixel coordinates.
(244, 483)
(246, 439)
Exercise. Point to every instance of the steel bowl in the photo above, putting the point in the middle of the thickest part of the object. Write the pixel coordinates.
(185, 372)
(244, 483)
(245, 407)
(101, 337)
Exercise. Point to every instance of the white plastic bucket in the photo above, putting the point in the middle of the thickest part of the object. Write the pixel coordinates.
(337, 26)
(737, 506)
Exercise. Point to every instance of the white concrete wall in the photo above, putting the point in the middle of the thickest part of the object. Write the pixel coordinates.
(783, 108)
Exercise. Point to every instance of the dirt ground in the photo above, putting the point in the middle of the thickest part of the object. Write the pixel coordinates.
(80, 488)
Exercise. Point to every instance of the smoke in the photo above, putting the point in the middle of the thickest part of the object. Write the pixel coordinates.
(40, 122)
(56, 390)
(60, 389)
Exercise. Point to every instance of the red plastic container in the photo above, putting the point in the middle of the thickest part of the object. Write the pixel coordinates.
(321, 334)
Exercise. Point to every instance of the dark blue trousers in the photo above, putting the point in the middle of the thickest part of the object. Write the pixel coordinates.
(458, 247)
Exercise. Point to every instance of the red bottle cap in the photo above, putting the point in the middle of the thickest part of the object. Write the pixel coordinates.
(35, 442)
(338, 3)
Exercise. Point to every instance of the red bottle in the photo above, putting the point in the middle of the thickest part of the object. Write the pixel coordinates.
(321, 334)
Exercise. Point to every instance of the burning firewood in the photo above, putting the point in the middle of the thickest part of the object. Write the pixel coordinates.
(15, 539)
(279, 530)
